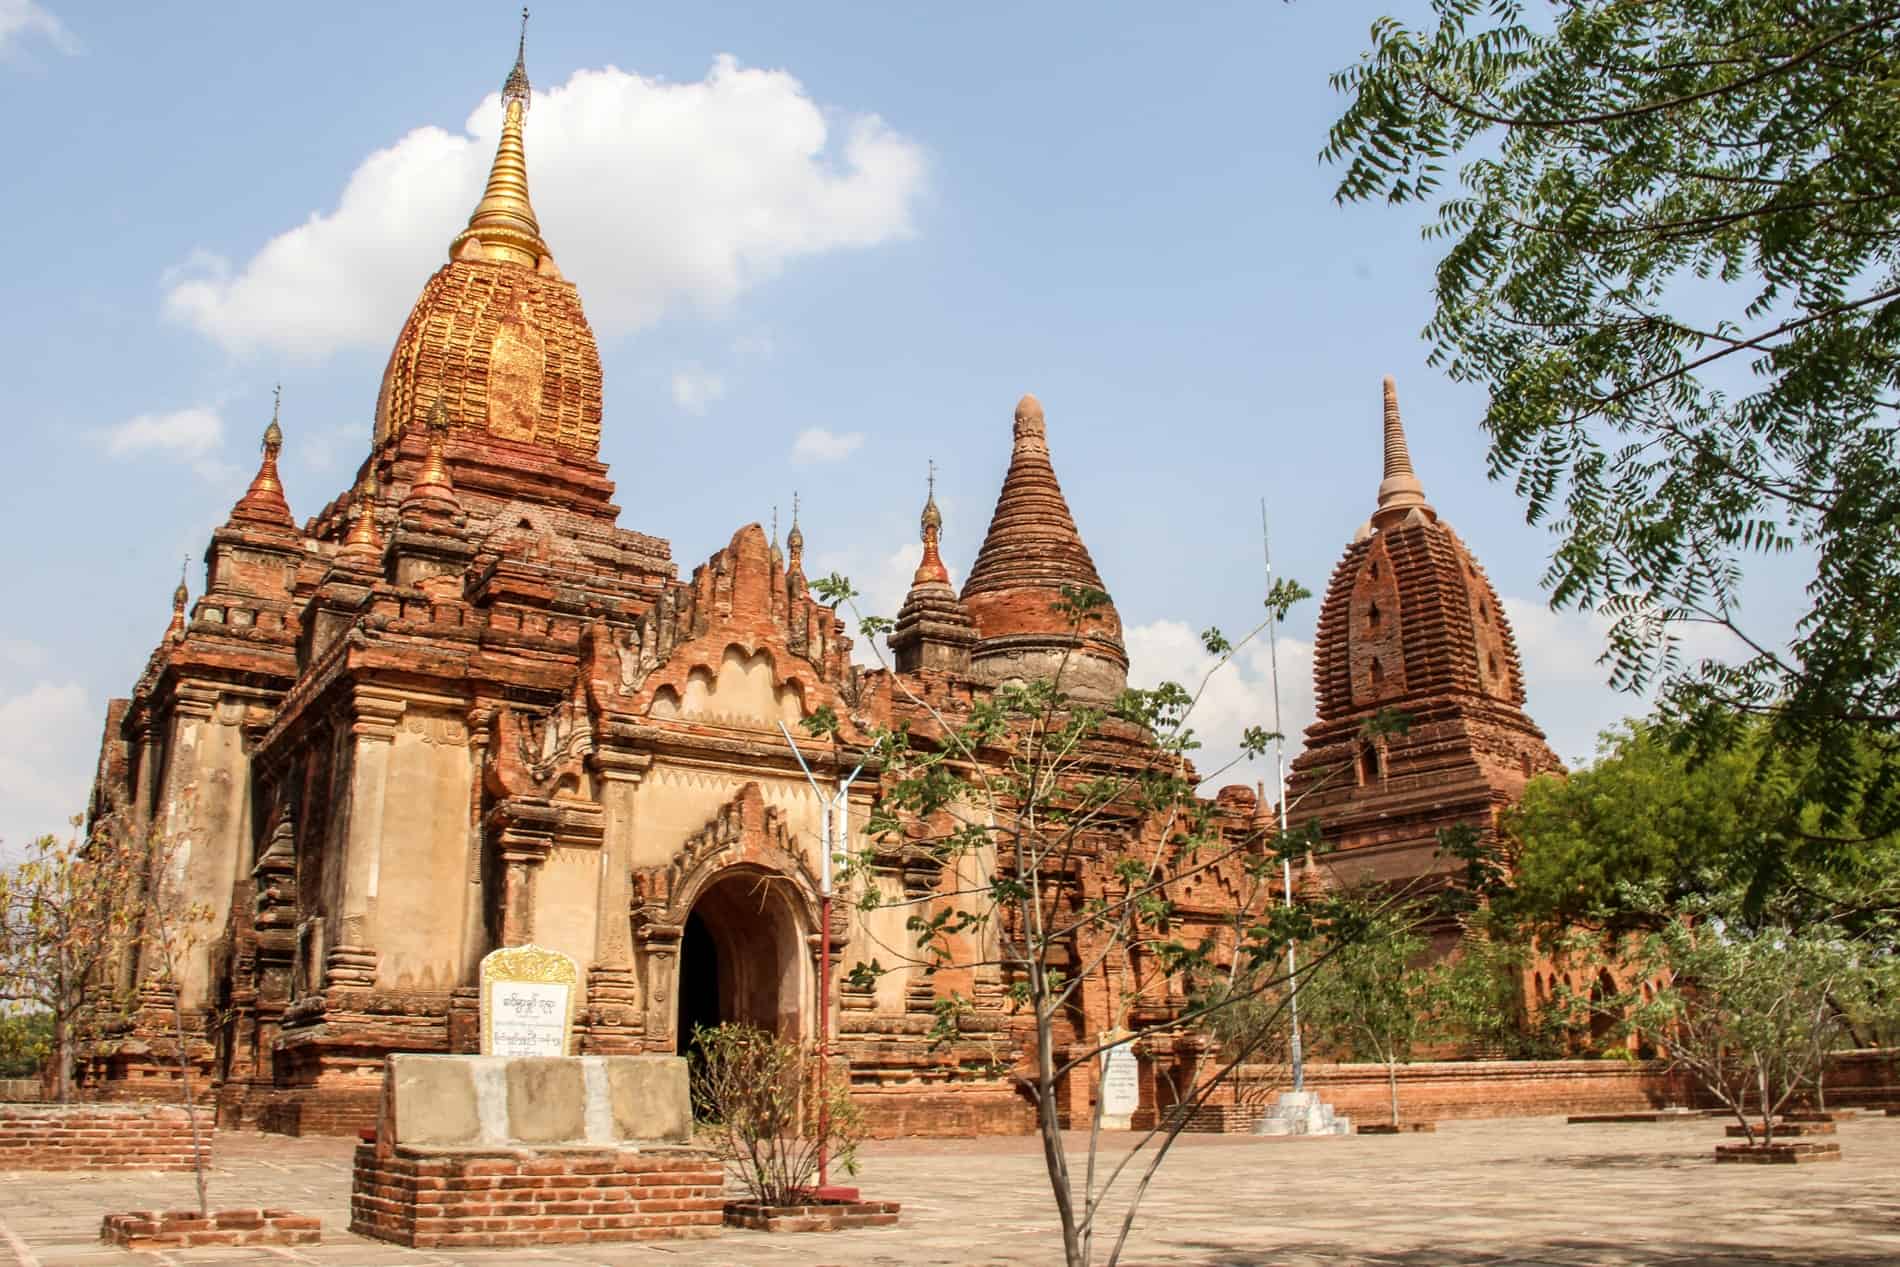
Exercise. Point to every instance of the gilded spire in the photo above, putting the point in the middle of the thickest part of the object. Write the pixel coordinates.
(363, 548)
(263, 502)
(180, 596)
(1400, 493)
(504, 227)
(931, 524)
(274, 434)
(435, 471)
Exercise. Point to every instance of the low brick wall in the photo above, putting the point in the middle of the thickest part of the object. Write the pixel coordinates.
(99, 1136)
(184, 1229)
(432, 1198)
(1513, 1088)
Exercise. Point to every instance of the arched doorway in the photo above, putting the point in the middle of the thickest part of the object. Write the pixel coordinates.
(741, 957)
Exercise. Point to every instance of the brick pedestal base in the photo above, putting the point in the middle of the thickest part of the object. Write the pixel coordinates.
(184, 1229)
(438, 1197)
(821, 1216)
(1778, 1154)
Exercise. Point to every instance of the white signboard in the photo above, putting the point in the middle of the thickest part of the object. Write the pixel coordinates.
(1121, 1081)
(528, 1002)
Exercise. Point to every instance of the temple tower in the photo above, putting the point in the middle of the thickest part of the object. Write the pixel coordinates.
(933, 629)
(1032, 551)
(1410, 625)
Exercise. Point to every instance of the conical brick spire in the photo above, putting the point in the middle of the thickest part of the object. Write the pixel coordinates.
(263, 502)
(1032, 551)
(1400, 493)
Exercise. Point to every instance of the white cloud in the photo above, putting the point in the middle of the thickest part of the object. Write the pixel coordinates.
(48, 738)
(1238, 695)
(182, 433)
(651, 194)
(695, 388)
(1567, 691)
(20, 19)
(815, 444)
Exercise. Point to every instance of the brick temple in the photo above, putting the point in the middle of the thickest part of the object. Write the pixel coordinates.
(462, 707)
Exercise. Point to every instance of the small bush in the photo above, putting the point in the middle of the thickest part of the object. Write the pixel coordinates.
(762, 1110)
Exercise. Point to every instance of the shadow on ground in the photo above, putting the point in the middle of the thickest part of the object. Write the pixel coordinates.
(1546, 1253)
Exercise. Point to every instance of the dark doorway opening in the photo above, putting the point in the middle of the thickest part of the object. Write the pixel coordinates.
(699, 980)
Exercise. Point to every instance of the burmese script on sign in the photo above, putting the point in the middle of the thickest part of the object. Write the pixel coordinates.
(1121, 1082)
(527, 1018)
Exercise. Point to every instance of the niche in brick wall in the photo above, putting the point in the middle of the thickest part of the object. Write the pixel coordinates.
(1376, 648)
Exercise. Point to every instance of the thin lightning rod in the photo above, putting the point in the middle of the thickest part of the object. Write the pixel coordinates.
(1279, 768)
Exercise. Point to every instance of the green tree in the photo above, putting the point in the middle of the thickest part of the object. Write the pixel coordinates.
(1374, 999)
(26, 1040)
(1671, 262)
(1751, 1008)
(1064, 833)
(68, 913)
(1645, 819)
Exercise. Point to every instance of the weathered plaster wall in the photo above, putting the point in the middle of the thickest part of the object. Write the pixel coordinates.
(418, 910)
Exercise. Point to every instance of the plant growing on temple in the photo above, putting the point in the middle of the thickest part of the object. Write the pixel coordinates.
(69, 912)
(1065, 832)
(1673, 262)
(756, 1097)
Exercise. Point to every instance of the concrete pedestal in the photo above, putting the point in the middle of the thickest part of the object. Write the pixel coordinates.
(493, 1150)
(1302, 1113)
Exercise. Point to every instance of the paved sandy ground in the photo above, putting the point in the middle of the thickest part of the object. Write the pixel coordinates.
(1530, 1191)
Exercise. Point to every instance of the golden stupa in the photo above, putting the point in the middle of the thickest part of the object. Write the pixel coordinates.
(498, 336)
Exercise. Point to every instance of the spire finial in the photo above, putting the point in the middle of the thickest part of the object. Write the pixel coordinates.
(180, 596)
(263, 502)
(515, 87)
(504, 225)
(1400, 493)
(931, 522)
(795, 539)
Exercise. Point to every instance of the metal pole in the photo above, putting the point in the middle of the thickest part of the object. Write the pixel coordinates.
(824, 1005)
(826, 805)
(1279, 764)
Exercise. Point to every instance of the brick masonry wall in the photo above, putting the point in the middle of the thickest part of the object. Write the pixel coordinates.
(897, 1112)
(1515, 1088)
(319, 1110)
(433, 1198)
(99, 1137)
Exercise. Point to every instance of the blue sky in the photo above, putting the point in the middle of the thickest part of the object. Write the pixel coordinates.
(821, 244)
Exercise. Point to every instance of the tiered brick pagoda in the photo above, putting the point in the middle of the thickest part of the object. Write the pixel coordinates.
(1410, 626)
(462, 708)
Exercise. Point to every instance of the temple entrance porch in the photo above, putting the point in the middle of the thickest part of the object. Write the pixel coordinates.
(742, 957)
